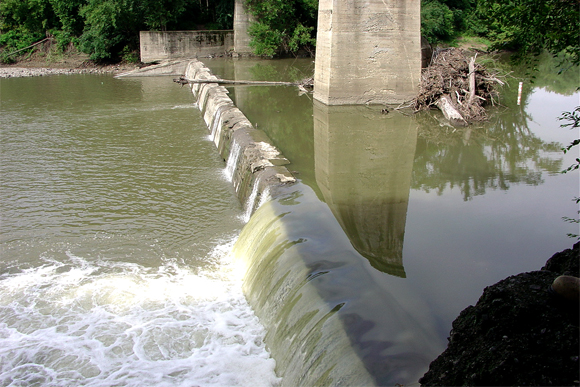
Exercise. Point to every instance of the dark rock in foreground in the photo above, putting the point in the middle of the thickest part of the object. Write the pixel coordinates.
(518, 333)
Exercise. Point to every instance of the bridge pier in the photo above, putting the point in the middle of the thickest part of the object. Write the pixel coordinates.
(242, 20)
(367, 51)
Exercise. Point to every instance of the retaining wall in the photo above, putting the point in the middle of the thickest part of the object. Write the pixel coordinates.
(257, 167)
(160, 45)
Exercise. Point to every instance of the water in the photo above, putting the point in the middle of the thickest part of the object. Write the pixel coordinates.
(116, 228)
(118, 219)
(399, 222)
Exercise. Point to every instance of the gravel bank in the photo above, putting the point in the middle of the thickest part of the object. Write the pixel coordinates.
(18, 72)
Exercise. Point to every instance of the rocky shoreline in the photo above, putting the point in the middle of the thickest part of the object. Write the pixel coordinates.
(19, 72)
(518, 334)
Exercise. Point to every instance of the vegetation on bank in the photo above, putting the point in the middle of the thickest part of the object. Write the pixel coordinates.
(104, 29)
(109, 29)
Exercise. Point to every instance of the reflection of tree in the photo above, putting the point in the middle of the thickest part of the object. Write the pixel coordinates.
(554, 74)
(495, 154)
(502, 152)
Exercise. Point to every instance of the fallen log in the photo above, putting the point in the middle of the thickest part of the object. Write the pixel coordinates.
(183, 81)
(471, 68)
(445, 104)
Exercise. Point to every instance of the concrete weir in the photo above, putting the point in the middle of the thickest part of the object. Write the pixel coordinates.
(328, 318)
(256, 167)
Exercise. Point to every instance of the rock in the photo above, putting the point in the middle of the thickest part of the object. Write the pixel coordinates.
(518, 333)
(567, 287)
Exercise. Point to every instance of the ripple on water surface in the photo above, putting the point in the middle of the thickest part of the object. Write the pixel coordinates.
(115, 232)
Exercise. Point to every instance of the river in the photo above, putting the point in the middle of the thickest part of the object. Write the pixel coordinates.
(118, 221)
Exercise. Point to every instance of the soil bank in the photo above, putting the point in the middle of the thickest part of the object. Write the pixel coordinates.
(518, 334)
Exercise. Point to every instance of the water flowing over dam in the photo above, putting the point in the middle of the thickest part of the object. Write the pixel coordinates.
(318, 245)
(329, 321)
(323, 255)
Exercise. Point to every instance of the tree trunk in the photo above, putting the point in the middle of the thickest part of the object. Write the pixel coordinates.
(471, 80)
(445, 104)
(183, 81)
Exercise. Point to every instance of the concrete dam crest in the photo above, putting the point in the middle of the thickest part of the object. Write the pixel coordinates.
(322, 328)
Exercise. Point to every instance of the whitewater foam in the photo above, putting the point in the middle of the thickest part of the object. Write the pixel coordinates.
(113, 323)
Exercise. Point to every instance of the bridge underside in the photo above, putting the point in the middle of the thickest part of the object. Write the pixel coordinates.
(367, 51)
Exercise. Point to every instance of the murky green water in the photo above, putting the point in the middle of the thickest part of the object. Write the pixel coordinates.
(438, 212)
(116, 224)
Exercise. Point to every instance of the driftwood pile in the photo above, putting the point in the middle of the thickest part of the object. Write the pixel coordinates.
(458, 86)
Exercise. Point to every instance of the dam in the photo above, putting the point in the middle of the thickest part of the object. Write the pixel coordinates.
(323, 329)
(358, 236)
(323, 252)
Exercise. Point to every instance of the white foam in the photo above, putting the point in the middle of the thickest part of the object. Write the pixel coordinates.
(187, 106)
(110, 323)
(216, 125)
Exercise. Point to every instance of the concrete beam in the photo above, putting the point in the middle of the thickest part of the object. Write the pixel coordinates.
(367, 51)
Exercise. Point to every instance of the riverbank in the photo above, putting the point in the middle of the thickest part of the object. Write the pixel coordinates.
(37, 66)
(518, 333)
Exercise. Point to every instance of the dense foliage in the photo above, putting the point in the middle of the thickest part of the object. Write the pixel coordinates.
(105, 29)
(108, 29)
(530, 26)
(282, 26)
(524, 25)
(444, 20)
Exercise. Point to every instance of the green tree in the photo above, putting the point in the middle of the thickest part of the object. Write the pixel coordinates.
(282, 26)
(443, 20)
(67, 12)
(573, 119)
(109, 25)
(105, 29)
(24, 22)
(530, 26)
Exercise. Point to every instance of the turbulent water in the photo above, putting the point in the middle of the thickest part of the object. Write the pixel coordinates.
(118, 220)
(116, 228)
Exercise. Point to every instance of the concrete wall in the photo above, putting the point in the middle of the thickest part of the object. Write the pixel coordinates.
(257, 166)
(160, 45)
(367, 51)
(242, 21)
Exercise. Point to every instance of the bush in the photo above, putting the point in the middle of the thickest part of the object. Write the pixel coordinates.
(437, 21)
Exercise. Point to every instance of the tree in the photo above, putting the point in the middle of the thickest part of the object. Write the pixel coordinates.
(282, 26)
(109, 24)
(530, 26)
(24, 22)
(105, 29)
(573, 119)
(443, 20)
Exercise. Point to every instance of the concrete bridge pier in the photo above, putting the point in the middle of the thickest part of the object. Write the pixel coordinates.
(367, 51)
(242, 20)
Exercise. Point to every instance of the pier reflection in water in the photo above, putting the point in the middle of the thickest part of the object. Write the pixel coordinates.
(363, 166)
(465, 208)
(312, 255)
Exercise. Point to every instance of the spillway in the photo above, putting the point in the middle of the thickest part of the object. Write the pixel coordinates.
(329, 321)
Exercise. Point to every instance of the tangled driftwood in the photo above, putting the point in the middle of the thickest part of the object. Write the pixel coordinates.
(458, 86)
